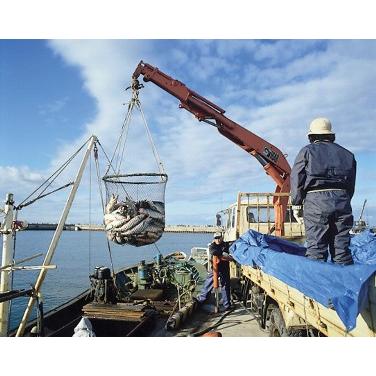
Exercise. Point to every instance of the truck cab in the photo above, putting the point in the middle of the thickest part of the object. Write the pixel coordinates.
(256, 211)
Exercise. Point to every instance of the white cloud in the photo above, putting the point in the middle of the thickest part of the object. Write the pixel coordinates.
(273, 89)
(23, 176)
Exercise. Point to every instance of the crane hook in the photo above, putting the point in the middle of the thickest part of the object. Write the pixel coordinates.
(135, 85)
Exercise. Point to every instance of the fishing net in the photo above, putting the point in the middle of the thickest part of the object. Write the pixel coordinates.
(135, 209)
(135, 202)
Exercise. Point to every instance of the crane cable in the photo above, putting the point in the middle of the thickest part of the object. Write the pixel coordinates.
(123, 135)
(154, 149)
(119, 151)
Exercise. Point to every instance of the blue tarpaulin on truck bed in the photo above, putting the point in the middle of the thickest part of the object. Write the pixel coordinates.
(344, 288)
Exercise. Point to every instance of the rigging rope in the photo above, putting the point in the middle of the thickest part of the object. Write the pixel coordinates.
(125, 125)
(108, 168)
(101, 194)
(124, 134)
(90, 181)
(19, 207)
(135, 208)
(155, 152)
(98, 174)
(57, 173)
(118, 155)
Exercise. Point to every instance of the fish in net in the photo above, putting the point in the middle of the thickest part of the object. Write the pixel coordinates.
(134, 222)
(139, 221)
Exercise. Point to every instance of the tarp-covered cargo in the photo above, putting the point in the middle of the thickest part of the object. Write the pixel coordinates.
(344, 288)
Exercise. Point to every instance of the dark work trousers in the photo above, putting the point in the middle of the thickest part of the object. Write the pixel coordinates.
(328, 219)
(224, 280)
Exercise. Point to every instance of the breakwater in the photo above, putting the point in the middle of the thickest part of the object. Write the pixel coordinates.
(95, 227)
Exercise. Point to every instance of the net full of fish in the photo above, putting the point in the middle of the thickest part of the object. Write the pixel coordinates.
(136, 223)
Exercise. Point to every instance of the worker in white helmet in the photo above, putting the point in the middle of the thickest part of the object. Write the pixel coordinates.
(323, 178)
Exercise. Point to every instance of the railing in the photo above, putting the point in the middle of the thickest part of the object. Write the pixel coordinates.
(255, 210)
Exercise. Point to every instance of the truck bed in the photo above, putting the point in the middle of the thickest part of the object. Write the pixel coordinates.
(336, 300)
(300, 311)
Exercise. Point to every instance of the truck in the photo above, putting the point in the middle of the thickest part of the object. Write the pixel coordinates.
(279, 308)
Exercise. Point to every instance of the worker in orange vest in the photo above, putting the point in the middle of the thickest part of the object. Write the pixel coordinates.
(220, 249)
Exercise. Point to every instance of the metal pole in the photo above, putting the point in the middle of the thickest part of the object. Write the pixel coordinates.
(6, 280)
(21, 261)
(216, 282)
(56, 237)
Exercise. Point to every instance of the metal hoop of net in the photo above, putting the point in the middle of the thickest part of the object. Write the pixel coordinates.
(136, 187)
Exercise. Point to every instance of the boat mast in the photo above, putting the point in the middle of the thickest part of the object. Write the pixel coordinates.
(6, 279)
(55, 238)
(361, 213)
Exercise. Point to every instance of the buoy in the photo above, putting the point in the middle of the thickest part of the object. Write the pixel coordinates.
(212, 334)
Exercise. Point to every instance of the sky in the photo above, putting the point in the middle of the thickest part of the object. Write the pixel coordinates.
(59, 89)
(54, 94)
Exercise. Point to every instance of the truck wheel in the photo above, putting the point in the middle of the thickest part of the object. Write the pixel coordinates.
(277, 327)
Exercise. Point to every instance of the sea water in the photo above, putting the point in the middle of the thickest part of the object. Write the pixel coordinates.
(77, 254)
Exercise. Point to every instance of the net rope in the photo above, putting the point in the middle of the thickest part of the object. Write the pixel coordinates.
(135, 202)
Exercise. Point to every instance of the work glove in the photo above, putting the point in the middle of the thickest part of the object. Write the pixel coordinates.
(297, 211)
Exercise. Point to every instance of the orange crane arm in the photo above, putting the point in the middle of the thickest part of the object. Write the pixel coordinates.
(271, 158)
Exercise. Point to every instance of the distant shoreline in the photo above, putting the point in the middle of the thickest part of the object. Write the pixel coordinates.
(87, 227)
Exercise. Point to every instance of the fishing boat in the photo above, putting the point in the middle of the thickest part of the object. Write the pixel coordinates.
(138, 300)
(133, 301)
(360, 225)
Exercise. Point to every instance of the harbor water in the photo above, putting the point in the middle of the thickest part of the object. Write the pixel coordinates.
(76, 256)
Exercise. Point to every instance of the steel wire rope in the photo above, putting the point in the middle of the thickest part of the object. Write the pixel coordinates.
(154, 149)
(119, 153)
(125, 132)
(40, 196)
(90, 182)
(110, 166)
(102, 201)
(23, 204)
(125, 122)
(157, 248)
(211, 327)
(19, 207)
(57, 173)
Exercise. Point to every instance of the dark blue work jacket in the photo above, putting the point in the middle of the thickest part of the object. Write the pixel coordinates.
(218, 250)
(322, 165)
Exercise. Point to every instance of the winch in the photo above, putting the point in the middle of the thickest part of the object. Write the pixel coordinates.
(103, 288)
(144, 277)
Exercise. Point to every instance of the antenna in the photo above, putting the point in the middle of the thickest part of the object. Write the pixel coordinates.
(361, 213)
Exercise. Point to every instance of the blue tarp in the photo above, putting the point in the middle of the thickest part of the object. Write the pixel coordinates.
(345, 288)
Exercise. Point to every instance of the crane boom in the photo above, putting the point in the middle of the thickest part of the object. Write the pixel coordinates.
(271, 158)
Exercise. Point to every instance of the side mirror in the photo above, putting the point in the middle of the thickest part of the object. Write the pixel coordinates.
(219, 220)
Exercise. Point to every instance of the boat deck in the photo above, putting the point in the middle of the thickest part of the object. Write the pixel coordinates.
(237, 323)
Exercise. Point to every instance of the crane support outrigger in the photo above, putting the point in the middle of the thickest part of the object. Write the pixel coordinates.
(271, 158)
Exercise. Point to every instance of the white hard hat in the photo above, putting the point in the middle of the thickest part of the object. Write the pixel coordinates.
(320, 126)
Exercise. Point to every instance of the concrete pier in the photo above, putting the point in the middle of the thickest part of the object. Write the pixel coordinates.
(96, 227)
(168, 228)
(48, 227)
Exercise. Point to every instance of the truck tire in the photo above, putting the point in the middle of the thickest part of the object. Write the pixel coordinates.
(277, 327)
